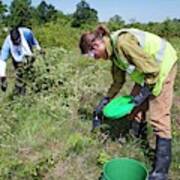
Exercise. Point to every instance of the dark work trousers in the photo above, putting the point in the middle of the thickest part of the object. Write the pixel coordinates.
(24, 72)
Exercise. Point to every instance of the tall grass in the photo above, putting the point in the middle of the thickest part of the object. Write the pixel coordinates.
(46, 134)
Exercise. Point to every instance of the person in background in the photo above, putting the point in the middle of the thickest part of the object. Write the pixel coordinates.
(19, 45)
(151, 62)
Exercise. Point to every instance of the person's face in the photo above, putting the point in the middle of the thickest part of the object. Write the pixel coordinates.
(17, 41)
(98, 49)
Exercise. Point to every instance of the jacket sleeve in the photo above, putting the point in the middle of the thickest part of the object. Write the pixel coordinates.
(118, 80)
(129, 46)
(29, 36)
(5, 51)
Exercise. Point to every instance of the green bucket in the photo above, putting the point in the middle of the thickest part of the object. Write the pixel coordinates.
(119, 107)
(124, 169)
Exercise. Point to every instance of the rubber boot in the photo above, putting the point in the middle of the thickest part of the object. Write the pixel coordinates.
(162, 159)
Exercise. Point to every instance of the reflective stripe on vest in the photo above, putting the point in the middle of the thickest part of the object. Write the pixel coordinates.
(160, 54)
(124, 65)
(141, 36)
(159, 49)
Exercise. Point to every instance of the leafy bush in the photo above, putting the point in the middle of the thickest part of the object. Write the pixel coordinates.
(46, 134)
(57, 35)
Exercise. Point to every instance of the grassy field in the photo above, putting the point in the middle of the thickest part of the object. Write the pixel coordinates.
(46, 134)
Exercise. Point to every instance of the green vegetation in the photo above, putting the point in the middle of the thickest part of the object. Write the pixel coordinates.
(46, 134)
(84, 15)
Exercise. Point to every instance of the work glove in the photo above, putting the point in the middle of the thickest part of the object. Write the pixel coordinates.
(3, 82)
(142, 96)
(97, 114)
(101, 105)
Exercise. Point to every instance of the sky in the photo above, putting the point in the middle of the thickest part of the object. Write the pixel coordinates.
(141, 10)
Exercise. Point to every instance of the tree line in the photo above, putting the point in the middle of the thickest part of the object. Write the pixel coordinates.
(22, 13)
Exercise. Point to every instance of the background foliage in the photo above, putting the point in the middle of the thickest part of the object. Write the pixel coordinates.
(46, 134)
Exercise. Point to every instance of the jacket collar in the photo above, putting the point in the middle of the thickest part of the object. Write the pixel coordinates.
(108, 46)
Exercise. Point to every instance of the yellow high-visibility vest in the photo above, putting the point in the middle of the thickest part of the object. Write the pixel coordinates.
(157, 48)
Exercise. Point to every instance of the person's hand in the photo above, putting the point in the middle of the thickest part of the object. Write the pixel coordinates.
(101, 105)
(142, 96)
(3, 82)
